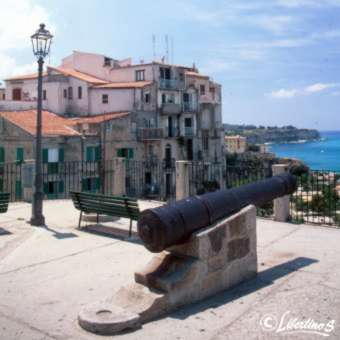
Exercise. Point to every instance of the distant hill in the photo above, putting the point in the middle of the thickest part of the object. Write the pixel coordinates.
(271, 134)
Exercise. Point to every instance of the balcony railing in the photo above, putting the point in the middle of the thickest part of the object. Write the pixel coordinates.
(150, 133)
(188, 131)
(167, 83)
(189, 107)
(171, 108)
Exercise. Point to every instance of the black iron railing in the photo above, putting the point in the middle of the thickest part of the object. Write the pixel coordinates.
(317, 198)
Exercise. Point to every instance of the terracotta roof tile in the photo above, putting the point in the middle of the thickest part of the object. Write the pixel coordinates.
(124, 85)
(98, 118)
(52, 124)
(195, 74)
(79, 75)
(26, 76)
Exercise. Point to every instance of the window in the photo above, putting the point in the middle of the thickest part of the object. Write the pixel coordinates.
(80, 92)
(147, 98)
(91, 184)
(140, 75)
(212, 91)
(163, 98)
(105, 98)
(16, 94)
(92, 154)
(4, 96)
(20, 155)
(107, 61)
(2, 155)
(70, 93)
(202, 90)
(181, 76)
(52, 188)
(44, 94)
(65, 93)
(205, 139)
(165, 73)
(125, 152)
(52, 157)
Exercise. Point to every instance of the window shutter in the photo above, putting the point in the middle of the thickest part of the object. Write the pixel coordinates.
(61, 155)
(97, 153)
(2, 155)
(1, 185)
(45, 155)
(119, 153)
(97, 183)
(130, 153)
(20, 154)
(84, 186)
(61, 187)
(89, 154)
(46, 188)
(18, 190)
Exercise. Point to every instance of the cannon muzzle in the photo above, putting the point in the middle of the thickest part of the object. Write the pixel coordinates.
(173, 224)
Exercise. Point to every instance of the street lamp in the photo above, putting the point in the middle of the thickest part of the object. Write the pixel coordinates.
(41, 43)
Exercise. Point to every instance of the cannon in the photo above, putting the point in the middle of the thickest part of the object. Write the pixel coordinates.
(172, 224)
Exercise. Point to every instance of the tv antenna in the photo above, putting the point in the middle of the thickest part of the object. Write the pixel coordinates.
(154, 47)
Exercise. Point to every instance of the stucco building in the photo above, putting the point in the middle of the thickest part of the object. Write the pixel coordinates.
(235, 144)
(174, 110)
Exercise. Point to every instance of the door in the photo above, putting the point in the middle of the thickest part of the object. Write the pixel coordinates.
(170, 127)
(16, 94)
(190, 152)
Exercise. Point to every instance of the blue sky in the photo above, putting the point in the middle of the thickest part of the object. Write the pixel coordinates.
(278, 60)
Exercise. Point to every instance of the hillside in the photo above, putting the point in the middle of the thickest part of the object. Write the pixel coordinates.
(271, 134)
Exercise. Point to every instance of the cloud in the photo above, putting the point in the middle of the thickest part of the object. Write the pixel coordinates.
(19, 19)
(275, 24)
(308, 3)
(308, 90)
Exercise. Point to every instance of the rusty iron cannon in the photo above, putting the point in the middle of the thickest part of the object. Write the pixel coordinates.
(172, 224)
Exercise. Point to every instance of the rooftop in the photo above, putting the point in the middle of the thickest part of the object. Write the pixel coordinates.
(52, 124)
(98, 118)
(48, 274)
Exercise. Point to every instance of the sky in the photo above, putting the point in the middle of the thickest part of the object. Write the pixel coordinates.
(278, 60)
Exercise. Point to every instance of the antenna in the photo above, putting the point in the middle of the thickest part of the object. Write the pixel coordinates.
(154, 47)
(167, 48)
(172, 49)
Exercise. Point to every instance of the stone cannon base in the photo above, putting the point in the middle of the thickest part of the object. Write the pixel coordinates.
(212, 260)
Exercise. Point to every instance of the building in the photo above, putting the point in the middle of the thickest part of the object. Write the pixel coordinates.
(175, 110)
(2, 93)
(235, 144)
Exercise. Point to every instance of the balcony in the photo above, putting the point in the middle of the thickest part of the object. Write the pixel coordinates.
(168, 84)
(149, 134)
(188, 131)
(189, 107)
(171, 108)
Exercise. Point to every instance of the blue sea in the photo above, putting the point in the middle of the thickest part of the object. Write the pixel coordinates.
(318, 155)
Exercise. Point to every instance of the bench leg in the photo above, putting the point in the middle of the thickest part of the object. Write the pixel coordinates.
(80, 217)
(130, 230)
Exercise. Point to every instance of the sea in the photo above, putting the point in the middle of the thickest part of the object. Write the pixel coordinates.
(323, 154)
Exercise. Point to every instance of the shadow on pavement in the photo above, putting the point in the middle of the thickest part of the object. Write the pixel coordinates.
(4, 232)
(59, 235)
(263, 279)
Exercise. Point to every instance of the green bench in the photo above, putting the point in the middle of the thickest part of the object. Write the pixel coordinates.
(4, 201)
(119, 206)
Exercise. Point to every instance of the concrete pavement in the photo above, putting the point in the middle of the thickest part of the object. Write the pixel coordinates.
(47, 275)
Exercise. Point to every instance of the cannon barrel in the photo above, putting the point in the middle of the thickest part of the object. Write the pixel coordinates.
(172, 224)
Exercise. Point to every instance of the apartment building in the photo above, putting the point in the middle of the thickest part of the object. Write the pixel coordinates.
(235, 144)
(175, 110)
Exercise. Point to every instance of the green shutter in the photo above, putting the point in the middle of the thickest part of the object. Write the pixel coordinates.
(89, 154)
(84, 186)
(119, 152)
(61, 155)
(97, 153)
(97, 184)
(45, 155)
(130, 153)
(2, 155)
(18, 190)
(61, 187)
(20, 155)
(46, 188)
(1, 184)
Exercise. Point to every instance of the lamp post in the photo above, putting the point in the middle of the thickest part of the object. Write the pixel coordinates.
(41, 42)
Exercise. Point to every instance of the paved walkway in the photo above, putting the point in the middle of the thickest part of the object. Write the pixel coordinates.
(46, 275)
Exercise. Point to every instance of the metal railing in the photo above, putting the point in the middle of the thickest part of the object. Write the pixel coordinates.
(167, 83)
(317, 198)
(11, 180)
